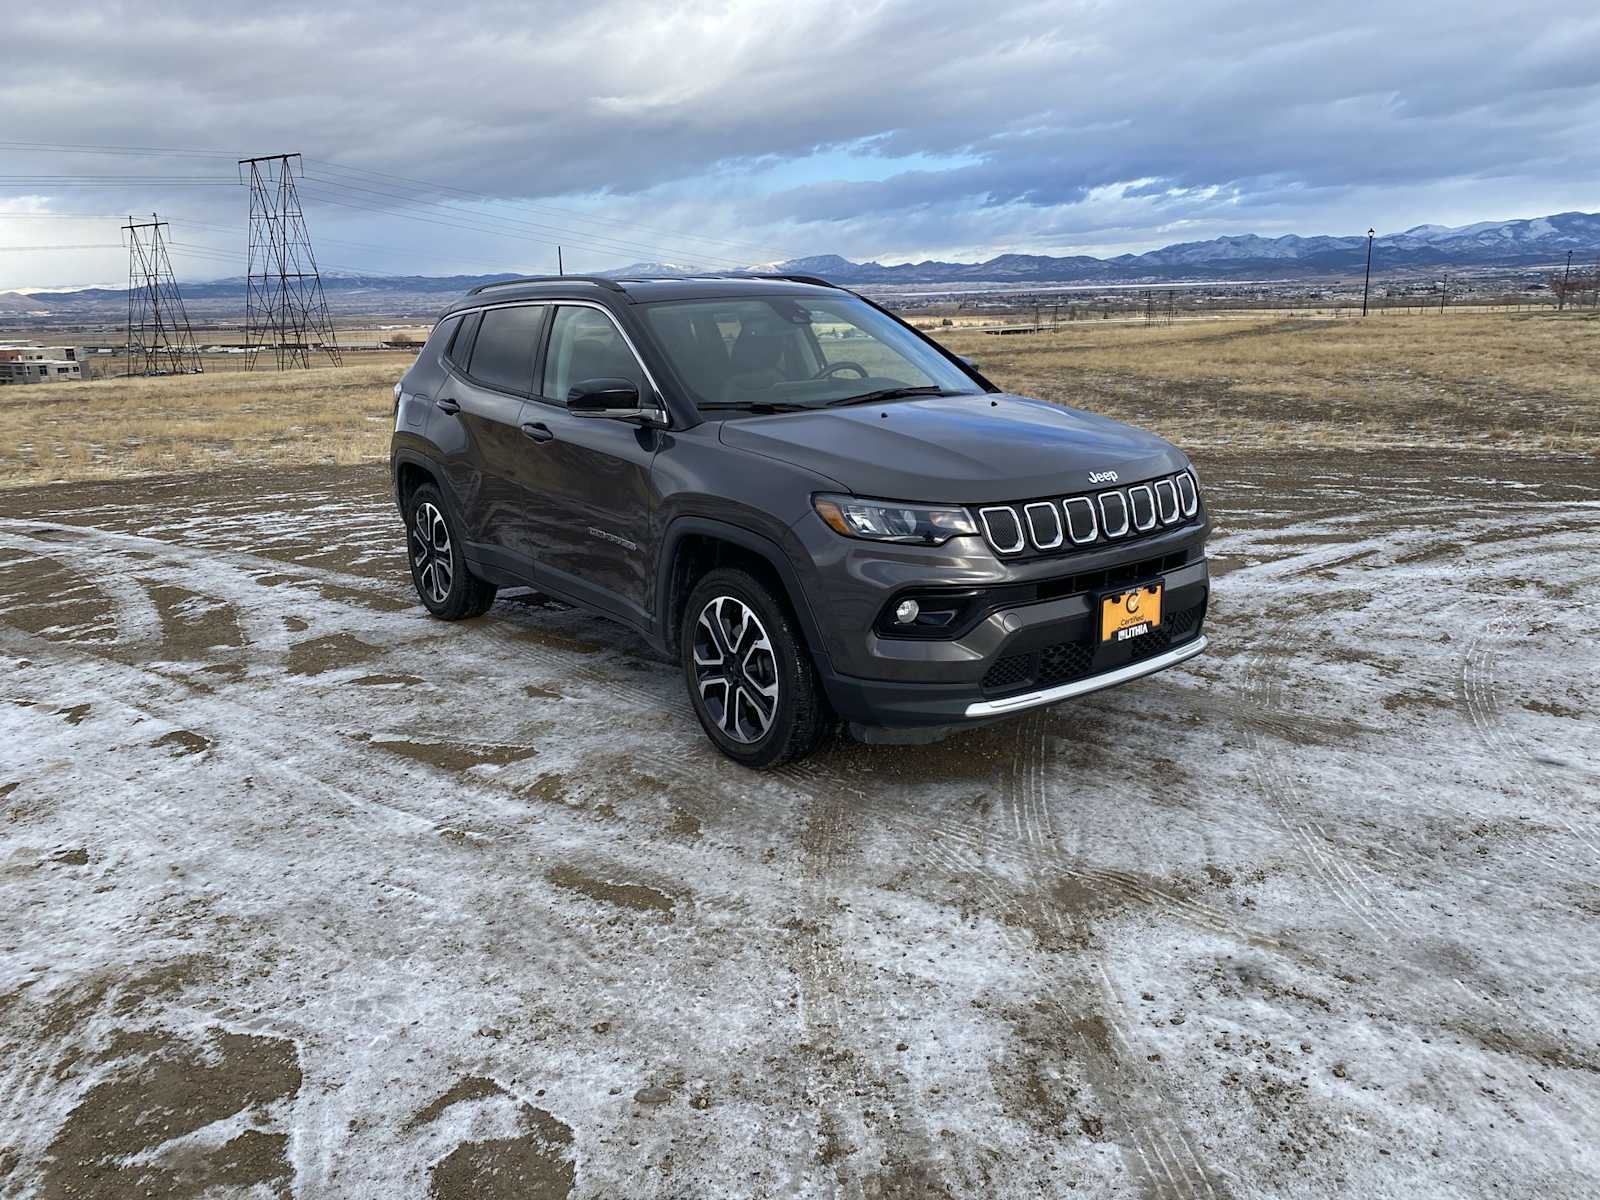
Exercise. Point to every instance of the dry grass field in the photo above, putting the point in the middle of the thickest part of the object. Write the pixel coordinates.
(1490, 381)
(111, 428)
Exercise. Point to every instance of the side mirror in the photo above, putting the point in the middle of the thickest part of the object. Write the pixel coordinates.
(617, 399)
(969, 360)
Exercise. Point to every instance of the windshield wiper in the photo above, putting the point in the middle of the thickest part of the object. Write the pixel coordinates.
(895, 393)
(755, 406)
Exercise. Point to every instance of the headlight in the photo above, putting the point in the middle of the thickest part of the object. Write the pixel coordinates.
(886, 521)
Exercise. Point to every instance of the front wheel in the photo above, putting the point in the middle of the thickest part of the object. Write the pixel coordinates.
(750, 676)
(445, 586)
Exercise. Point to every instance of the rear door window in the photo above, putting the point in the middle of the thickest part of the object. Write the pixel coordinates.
(502, 357)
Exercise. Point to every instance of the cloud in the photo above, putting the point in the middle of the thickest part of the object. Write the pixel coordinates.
(740, 130)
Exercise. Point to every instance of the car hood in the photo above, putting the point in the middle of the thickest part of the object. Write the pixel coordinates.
(957, 449)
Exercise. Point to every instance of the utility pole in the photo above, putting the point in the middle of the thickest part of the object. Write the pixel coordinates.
(561, 267)
(1367, 286)
(284, 304)
(1561, 300)
(1444, 290)
(160, 341)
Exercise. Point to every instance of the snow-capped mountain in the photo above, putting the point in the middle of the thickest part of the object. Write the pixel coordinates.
(1485, 244)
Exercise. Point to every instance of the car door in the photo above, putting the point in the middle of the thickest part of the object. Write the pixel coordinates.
(591, 517)
(485, 396)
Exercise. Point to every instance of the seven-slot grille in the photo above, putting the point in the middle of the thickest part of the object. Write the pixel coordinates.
(1094, 519)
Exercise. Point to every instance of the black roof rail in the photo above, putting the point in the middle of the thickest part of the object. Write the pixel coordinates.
(597, 280)
(812, 279)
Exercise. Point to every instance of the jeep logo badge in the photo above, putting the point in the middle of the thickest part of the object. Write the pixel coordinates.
(1102, 476)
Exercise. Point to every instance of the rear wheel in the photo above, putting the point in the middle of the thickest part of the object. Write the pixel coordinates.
(749, 673)
(445, 586)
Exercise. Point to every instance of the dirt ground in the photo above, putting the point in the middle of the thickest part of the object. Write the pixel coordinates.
(304, 894)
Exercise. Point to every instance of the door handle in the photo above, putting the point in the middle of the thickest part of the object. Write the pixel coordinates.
(447, 405)
(538, 431)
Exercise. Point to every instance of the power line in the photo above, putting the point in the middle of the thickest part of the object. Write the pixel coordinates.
(489, 222)
(59, 216)
(553, 209)
(347, 184)
(591, 239)
(137, 151)
(502, 232)
(116, 180)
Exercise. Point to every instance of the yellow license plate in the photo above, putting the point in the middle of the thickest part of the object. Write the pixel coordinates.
(1130, 614)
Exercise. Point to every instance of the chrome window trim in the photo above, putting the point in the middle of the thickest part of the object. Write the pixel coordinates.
(1022, 537)
(562, 302)
(1145, 488)
(1094, 521)
(1192, 505)
(1033, 534)
(1173, 491)
(1127, 513)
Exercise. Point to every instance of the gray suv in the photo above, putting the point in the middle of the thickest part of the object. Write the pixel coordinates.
(819, 512)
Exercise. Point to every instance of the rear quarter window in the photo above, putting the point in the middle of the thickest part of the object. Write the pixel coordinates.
(440, 337)
(459, 351)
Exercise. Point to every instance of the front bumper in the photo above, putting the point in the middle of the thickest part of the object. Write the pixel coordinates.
(1024, 656)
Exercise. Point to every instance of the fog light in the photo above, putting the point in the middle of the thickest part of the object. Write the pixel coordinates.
(906, 612)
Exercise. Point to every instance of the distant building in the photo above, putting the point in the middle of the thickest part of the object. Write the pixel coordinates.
(42, 364)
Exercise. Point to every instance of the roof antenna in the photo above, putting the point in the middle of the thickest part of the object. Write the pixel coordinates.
(560, 267)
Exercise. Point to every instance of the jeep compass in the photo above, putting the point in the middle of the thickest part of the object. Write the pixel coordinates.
(820, 513)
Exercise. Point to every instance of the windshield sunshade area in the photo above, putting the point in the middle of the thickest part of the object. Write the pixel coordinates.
(780, 352)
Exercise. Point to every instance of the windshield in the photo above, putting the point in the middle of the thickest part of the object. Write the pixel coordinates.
(784, 352)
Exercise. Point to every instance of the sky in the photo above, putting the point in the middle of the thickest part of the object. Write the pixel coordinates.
(477, 136)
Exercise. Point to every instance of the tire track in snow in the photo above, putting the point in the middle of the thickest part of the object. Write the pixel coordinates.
(830, 991)
(1160, 1154)
(134, 615)
(378, 1012)
(1479, 681)
(1352, 883)
(1166, 1159)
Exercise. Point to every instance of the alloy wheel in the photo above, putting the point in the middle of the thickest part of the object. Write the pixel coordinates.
(430, 553)
(735, 669)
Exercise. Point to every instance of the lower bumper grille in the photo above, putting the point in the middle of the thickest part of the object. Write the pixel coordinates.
(1065, 662)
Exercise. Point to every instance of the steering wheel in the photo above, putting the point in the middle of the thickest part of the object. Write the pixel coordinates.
(828, 371)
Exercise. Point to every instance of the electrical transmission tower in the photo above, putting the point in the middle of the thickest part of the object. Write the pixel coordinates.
(160, 341)
(285, 311)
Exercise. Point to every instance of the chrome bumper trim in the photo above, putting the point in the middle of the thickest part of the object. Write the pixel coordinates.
(1081, 687)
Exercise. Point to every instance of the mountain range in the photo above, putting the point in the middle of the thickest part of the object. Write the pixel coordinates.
(1528, 242)
(1488, 244)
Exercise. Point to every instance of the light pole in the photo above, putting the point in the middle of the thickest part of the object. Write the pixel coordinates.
(1367, 286)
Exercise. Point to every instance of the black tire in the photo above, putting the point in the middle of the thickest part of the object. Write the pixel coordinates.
(438, 563)
(799, 714)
